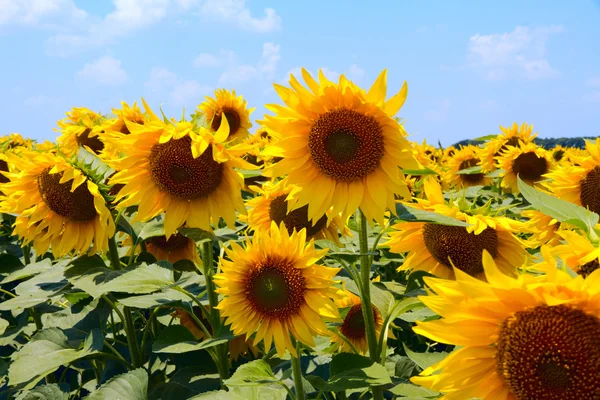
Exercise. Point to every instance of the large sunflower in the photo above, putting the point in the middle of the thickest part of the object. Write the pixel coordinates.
(276, 204)
(523, 338)
(273, 287)
(179, 169)
(58, 206)
(580, 184)
(511, 136)
(530, 162)
(235, 110)
(341, 145)
(437, 248)
(464, 158)
(82, 128)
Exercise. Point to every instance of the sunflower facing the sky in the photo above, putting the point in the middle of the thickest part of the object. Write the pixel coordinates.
(511, 136)
(276, 204)
(580, 184)
(341, 145)
(272, 288)
(530, 162)
(181, 170)
(524, 338)
(234, 109)
(464, 158)
(82, 128)
(437, 248)
(58, 206)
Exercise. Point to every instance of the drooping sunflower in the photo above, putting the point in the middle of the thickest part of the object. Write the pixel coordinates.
(578, 253)
(341, 145)
(524, 338)
(82, 128)
(543, 228)
(58, 206)
(580, 184)
(181, 170)
(235, 110)
(436, 248)
(353, 326)
(511, 136)
(276, 204)
(175, 248)
(272, 288)
(530, 162)
(464, 158)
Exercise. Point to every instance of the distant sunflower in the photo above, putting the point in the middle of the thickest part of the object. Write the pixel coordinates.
(14, 142)
(511, 136)
(580, 184)
(235, 110)
(272, 288)
(464, 158)
(175, 248)
(523, 338)
(117, 127)
(530, 162)
(578, 253)
(436, 248)
(341, 145)
(58, 206)
(82, 128)
(46, 146)
(544, 229)
(181, 170)
(276, 204)
(427, 154)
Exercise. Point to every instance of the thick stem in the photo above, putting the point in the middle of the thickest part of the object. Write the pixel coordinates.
(113, 253)
(132, 338)
(297, 372)
(27, 254)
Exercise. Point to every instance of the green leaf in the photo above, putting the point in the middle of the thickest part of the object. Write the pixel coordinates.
(476, 169)
(9, 264)
(415, 172)
(405, 390)
(143, 279)
(246, 393)
(153, 228)
(178, 339)
(192, 282)
(254, 373)
(424, 360)
(132, 385)
(3, 325)
(46, 352)
(29, 270)
(352, 371)
(45, 392)
(84, 316)
(559, 209)
(486, 137)
(404, 368)
(410, 214)
(196, 234)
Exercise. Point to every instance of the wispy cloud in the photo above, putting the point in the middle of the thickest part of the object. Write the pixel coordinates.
(177, 91)
(105, 71)
(236, 11)
(593, 81)
(36, 12)
(440, 113)
(265, 68)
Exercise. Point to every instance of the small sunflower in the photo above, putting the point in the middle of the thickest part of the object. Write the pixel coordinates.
(58, 206)
(544, 229)
(578, 253)
(82, 128)
(46, 147)
(511, 136)
(180, 169)
(117, 127)
(464, 158)
(177, 247)
(530, 162)
(276, 204)
(437, 248)
(580, 184)
(341, 145)
(272, 288)
(14, 142)
(235, 110)
(523, 338)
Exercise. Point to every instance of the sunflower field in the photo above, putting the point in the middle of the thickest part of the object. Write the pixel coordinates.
(319, 255)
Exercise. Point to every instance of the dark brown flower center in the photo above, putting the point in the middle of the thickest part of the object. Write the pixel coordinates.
(177, 172)
(454, 245)
(353, 326)
(588, 268)
(529, 166)
(77, 206)
(254, 180)
(175, 242)
(558, 155)
(550, 353)
(471, 179)
(94, 143)
(590, 190)
(233, 118)
(346, 145)
(3, 168)
(296, 219)
(275, 288)
(513, 141)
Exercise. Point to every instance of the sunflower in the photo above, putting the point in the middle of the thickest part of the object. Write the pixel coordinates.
(117, 127)
(528, 337)
(14, 141)
(46, 147)
(273, 288)
(544, 228)
(276, 204)
(578, 253)
(437, 248)
(580, 184)
(233, 107)
(427, 154)
(82, 128)
(530, 162)
(511, 136)
(353, 325)
(464, 158)
(175, 248)
(179, 169)
(341, 145)
(58, 206)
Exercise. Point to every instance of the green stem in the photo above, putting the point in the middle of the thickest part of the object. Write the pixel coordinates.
(132, 338)
(147, 330)
(207, 264)
(297, 372)
(365, 272)
(7, 292)
(118, 355)
(26, 254)
(113, 253)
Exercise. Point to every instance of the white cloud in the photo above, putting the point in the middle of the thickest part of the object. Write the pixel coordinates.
(178, 91)
(264, 69)
(237, 12)
(105, 71)
(34, 12)
(592, 97)
(440, 113)
(188, 93)
(160, 78)
(270, 58)
(593, 81)
(225, 57)
(521, 52)
(37, 100)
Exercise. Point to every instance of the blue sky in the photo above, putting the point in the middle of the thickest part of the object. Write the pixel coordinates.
(470, 65)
